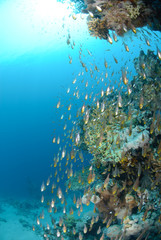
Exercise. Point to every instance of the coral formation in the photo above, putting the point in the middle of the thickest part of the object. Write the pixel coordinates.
(122, 132)
(119, 16)
(126, 148)
(134, 11)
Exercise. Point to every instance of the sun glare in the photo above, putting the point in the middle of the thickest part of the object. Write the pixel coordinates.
(50, 9)
(36, 25)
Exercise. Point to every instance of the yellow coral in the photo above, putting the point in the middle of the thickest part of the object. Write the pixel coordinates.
(134, 12)
(98, 28)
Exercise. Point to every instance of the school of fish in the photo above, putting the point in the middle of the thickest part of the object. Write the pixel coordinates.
(105, 180)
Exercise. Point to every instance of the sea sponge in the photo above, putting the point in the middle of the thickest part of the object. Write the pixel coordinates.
(133, 228)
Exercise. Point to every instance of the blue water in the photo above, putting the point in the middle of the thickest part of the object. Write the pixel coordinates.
(30, 87)
(32, 81)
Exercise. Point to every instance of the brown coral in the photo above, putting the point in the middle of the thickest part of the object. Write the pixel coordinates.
(130, 201)
(98, 28)
(110, 201)
(119, 16)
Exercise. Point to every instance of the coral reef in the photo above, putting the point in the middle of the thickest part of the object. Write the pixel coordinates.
(111, 136)
(122, 185)
(125, 141)
(119, 16)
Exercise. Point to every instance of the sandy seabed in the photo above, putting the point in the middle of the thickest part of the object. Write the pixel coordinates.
(17, 219)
